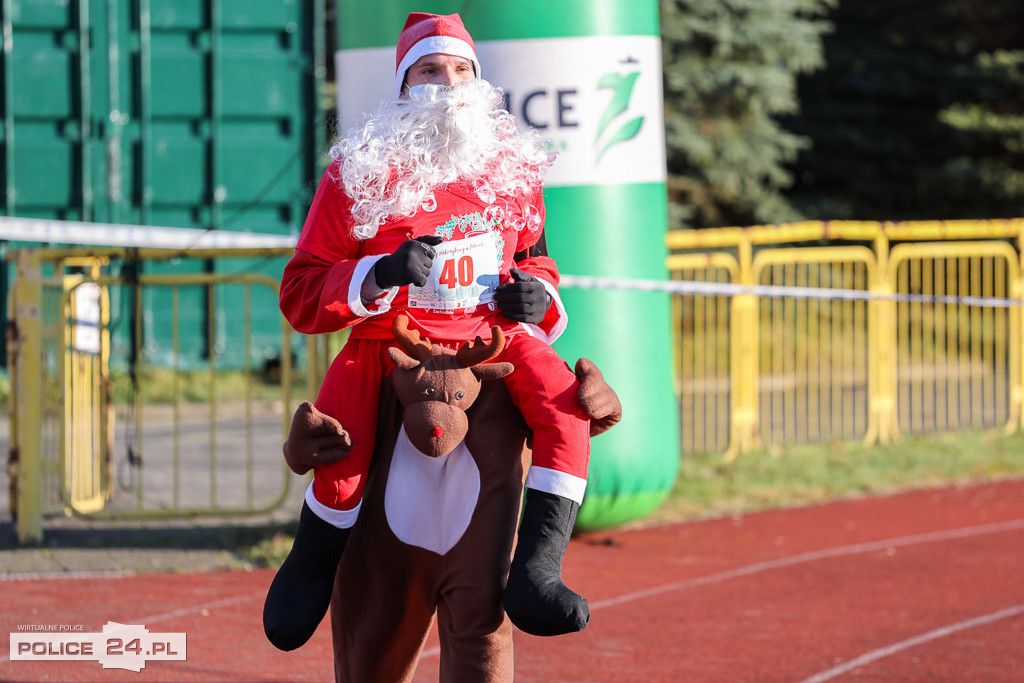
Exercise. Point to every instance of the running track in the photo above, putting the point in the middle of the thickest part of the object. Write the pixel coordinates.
(924, 586)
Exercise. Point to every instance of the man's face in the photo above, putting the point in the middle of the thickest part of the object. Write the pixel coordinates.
(439, 69)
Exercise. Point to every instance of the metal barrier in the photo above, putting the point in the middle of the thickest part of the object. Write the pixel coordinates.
(87, 345)
(892, 329)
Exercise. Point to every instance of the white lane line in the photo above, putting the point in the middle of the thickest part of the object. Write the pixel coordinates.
(913, 642)
(802, 558)
(759, 567)
(185, 611)
(75, 576)
(811, 556)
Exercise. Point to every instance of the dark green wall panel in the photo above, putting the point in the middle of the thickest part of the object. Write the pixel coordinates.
(254, 81)
(169, 159)
(51, 165)
(179, 84)
(136, 106)
(41, 13)
(42, 83)
(177, 14)
(178, 113)
(263, 14)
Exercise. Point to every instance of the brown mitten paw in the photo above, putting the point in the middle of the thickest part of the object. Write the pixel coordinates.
(314, 439)
(597, 398)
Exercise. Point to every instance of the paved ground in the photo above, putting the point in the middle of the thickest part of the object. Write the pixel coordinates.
(922, 586)
(72, 544)
(75, 545)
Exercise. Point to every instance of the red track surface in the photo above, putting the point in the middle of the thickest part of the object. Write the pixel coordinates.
(925, 586)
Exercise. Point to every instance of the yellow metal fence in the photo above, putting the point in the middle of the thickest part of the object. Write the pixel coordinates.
(890, 329)
(81, 368)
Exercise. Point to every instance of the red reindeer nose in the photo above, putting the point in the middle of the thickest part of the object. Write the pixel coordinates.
(438, 432)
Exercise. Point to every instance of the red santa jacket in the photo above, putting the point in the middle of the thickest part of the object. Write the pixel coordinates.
(320, 288)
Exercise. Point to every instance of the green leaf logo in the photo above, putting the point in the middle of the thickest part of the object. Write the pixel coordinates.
(622, 91)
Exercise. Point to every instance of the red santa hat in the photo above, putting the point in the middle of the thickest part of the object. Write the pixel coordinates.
(427, 34)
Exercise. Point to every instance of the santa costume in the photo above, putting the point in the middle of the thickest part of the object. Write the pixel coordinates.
(480, 213)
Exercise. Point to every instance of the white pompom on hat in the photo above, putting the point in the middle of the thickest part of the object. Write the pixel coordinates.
(427, 34)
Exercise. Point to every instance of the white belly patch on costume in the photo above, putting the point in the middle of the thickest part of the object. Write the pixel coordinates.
(429, 502)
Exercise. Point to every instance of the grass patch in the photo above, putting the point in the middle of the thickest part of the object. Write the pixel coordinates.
(707, 486)
(161, 385)
(269, 552)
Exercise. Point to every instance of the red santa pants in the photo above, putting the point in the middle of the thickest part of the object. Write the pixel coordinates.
(542, 387)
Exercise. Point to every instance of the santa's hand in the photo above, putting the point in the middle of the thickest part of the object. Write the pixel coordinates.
(524, 300)
(314, 439)
(410, 264)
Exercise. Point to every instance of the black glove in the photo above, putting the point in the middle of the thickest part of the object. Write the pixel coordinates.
(410, 264)
(524, 300)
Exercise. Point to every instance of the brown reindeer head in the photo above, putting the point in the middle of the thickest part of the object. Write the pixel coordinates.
(436, 385)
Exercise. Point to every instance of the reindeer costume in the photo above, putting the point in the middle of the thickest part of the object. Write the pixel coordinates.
(435, 533)
(453, 229)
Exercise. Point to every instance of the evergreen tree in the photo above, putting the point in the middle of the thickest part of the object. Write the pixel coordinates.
(918, 114)
(730, 73)
(989, 177)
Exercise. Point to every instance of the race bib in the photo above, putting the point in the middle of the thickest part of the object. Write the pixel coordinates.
(463, 275)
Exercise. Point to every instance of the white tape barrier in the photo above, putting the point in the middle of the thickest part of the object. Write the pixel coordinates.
(111, 234)
(147, 236)
(777, 291)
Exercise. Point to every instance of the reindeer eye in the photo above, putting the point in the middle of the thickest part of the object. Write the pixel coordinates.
(429, 391)
(459, 395)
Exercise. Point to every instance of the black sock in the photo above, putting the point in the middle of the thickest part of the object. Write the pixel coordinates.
(301, 591)
(536, 599)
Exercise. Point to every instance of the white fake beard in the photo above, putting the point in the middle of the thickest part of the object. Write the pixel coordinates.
(406, 148)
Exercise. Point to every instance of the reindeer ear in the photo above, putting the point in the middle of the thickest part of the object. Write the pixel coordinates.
(492, 370)
(401, 359)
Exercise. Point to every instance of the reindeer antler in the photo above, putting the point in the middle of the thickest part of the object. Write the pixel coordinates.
(410, 340)
(478, 352)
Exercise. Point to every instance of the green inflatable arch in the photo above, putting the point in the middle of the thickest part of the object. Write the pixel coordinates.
(588, 75)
